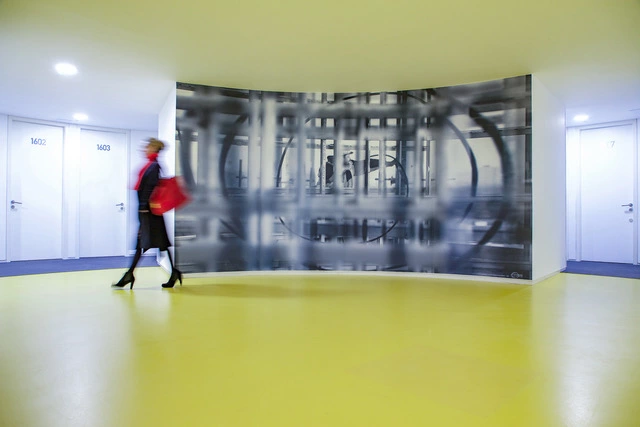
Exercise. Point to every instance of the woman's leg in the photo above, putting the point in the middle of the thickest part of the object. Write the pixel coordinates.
(175, 274)
(128, 277)
(170, 260)
(136, 257)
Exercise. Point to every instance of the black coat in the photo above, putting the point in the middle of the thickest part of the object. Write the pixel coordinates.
(147, 184)
(152, 232)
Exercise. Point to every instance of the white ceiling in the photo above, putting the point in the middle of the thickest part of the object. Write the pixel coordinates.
(129, 53)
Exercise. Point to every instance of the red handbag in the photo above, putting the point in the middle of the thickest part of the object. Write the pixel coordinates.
(170, 193)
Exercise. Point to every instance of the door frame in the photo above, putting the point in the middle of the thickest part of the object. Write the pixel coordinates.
(4, 176)
(578, 225)
(10, 124)
(127, 133)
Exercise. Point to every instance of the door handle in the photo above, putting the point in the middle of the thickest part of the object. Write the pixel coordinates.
(629, 205)
(13, 202)
(120, 204)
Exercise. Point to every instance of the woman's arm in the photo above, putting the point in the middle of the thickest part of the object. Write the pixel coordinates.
(149, 182)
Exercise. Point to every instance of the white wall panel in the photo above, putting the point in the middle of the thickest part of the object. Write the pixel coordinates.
(167, 133)
(549, 182)
(573, 188)
(71, 192)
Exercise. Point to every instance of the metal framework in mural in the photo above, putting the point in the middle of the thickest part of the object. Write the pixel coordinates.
(434, 180)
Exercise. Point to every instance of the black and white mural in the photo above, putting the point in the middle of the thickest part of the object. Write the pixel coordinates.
(430, 180)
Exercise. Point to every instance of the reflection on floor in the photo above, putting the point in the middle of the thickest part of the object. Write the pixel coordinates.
(318, 350)
(21, 268)
(610, 269)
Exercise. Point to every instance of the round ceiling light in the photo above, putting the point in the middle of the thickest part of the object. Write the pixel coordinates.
(80, 117)
(66, 69)
(581, 118)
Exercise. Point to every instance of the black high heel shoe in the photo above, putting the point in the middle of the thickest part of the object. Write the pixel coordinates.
(175, 275)
(126, 279)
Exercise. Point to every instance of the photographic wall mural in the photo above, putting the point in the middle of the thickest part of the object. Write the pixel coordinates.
(430, 180)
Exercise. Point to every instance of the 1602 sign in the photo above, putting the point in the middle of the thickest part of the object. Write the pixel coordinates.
(104, 147)
(38, 141)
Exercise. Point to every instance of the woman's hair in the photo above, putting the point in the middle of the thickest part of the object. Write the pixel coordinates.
(156, 144)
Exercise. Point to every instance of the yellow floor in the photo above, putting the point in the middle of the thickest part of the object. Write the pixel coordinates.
(332, 350)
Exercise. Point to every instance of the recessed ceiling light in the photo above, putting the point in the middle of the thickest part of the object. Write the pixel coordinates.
(80, 116)
(66, 69)
(581, 118)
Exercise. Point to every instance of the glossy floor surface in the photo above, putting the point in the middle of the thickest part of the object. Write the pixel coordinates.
(330, 350)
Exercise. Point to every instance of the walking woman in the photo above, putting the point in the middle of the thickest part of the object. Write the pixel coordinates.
(152, 232)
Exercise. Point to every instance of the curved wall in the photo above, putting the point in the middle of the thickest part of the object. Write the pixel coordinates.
(433, 180)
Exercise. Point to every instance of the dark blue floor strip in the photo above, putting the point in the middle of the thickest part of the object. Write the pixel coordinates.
(22, 268)
(610, 269)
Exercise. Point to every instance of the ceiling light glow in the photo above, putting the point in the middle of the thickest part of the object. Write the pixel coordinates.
(66, 69)
(581, 118)
(80, 116)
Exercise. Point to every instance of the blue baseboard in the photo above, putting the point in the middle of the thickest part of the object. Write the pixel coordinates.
(23, 268)
(610, 269)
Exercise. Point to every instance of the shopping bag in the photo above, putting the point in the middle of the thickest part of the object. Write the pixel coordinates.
(170, 193)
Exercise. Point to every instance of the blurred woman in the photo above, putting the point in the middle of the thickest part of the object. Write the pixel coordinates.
(152, 232)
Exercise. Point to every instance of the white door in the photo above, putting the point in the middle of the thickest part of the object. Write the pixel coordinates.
(35, 191)
(607, 187)
(103, 193)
